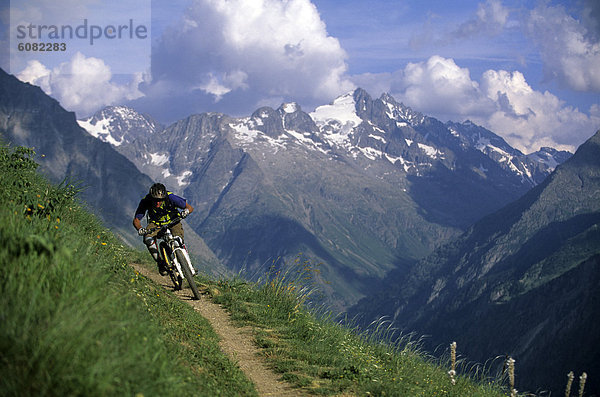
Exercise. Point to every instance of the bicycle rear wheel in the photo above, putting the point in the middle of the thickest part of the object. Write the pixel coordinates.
(185, 267)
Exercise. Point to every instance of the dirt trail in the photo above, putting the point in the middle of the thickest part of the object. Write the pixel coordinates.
(235, 342)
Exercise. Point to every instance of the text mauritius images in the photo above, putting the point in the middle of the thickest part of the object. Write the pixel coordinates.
(85, 31)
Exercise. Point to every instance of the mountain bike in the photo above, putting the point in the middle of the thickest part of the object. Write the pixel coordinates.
(175, 256)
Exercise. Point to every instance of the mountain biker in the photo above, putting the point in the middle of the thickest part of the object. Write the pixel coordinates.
(162, 207)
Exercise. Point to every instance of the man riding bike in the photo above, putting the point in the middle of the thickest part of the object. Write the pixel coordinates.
(162, 207)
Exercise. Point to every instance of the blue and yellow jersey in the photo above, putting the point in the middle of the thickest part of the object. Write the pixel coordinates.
(165, 213)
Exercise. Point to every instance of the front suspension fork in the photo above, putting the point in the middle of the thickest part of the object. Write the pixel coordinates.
(187, 257)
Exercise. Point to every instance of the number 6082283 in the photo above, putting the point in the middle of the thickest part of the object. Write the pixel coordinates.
(42, 47)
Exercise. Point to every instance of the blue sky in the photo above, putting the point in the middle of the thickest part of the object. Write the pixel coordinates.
(527, 70)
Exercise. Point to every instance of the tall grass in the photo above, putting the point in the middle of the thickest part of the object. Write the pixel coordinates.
(315, 352)
(76, 319)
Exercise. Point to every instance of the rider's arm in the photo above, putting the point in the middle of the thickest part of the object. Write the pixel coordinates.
(139, 215)
(180, 202)
(137, 223)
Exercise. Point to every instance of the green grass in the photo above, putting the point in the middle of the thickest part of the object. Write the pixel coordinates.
(78, 320)
(322, 357)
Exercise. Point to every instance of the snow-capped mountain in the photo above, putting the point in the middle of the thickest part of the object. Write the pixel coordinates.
(532, 168)
(361, 185)
(136, 136)
(119, 125)
(376, 130)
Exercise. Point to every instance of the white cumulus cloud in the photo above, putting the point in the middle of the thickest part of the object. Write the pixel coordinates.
(530, 119)
(82, 85)
(439, 86)
(249, 50)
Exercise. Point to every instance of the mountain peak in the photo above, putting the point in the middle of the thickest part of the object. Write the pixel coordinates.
(268, 120)
(342, 111)
(588, 154)
(361, 94)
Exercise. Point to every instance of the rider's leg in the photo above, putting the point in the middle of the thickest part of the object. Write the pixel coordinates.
(151, 245)
(150, 241)
(177, 231)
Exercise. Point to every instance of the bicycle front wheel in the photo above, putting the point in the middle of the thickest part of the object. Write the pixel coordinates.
(185, 267)
(171, 269)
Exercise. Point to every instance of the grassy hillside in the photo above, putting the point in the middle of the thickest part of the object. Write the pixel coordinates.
(77, 320)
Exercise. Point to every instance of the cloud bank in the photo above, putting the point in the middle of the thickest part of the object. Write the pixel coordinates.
(262, 51)
(502, 100)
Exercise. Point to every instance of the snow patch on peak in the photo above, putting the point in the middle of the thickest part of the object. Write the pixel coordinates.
(342, 109)
(377, 137)
(307, 141)
(247, 136)
(544, 157)
(100, 130)
(159, 159)
(124, 111)
(290, 107)
(244, 133)
(403, 115)
(430, 150)
(181, 178)
(117, 125)
(483, 143)
(337, 120)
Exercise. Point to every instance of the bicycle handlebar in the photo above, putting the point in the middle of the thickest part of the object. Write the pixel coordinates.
(168, 225)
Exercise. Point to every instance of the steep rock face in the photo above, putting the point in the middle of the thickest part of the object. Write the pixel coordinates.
(261, 202)
(268, 121)
(520, 281)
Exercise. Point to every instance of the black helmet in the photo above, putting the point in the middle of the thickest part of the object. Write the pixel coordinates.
(158, 191)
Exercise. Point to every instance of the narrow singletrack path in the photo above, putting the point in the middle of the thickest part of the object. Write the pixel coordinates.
(236, 342)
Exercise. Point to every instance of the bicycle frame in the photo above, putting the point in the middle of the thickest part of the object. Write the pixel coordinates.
(174, 246)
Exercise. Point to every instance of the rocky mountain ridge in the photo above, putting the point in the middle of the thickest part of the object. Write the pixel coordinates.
(337, 126)
(30, 118)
